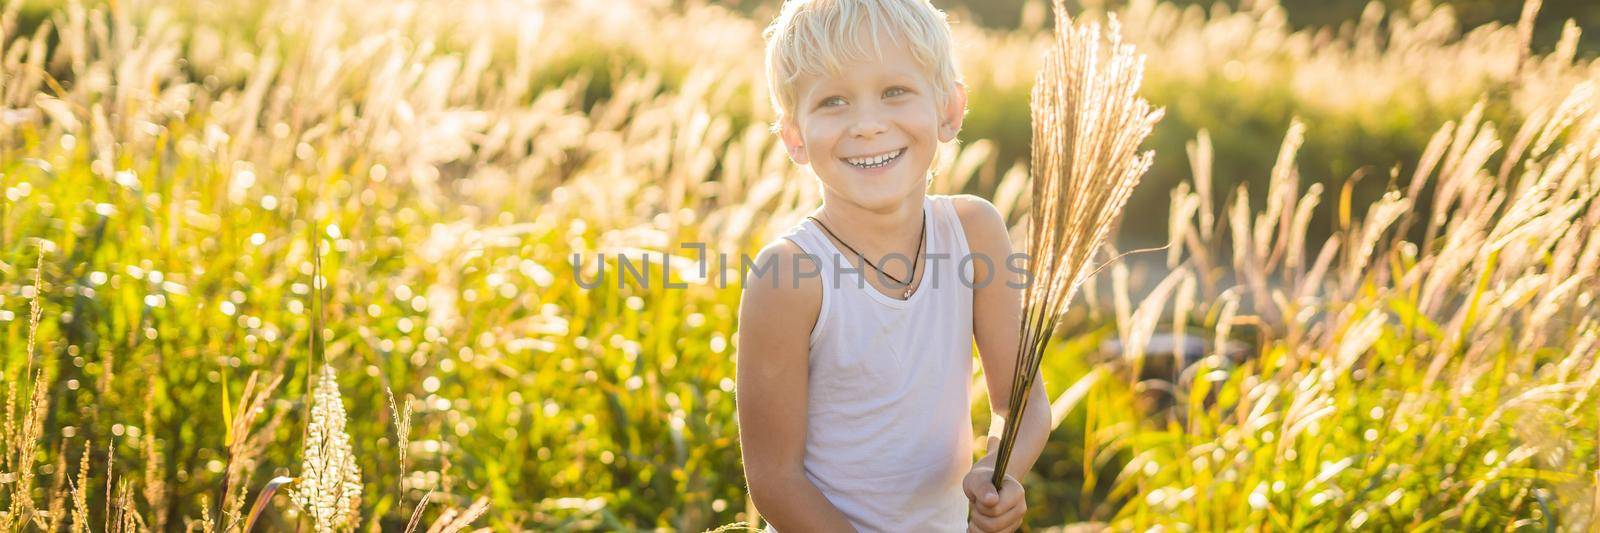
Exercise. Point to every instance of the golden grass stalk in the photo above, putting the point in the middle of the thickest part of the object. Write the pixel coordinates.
(246, 444)
(80, 492)
(155, 487)
(207, 525)
(128, 517)
(56, 511)
(28, 436)
(402, 432)
(1088, 123)
(111, 470)
(455, 520)
(416, 514)
(10, 434)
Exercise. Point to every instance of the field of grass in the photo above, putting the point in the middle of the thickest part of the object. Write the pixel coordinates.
(317, 256)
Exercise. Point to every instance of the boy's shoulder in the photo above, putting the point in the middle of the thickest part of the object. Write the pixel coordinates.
(971, 205)
(981, 221)
(784, 268)
(780, 251)
(781, 285)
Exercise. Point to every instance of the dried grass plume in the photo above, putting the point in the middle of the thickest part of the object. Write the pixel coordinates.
(329, 489)
(1088, 123)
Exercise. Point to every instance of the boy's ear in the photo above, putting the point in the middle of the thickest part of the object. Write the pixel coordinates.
(790, 134)
(955, 109)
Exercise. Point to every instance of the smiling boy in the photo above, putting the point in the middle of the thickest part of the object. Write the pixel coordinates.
(855, 358)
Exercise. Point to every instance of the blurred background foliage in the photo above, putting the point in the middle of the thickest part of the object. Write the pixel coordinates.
(1009, 14)
(1243, 116)
(1366, 137)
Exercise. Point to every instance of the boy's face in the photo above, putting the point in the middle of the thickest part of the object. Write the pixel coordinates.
(871, 133)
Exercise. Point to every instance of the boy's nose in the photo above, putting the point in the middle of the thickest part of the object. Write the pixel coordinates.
(868, 126)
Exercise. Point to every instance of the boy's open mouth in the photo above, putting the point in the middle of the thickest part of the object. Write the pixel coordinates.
(874, 161)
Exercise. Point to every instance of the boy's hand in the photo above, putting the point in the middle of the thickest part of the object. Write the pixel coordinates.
(990, 511)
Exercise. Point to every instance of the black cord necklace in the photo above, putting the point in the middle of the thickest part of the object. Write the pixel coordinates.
(914, 261)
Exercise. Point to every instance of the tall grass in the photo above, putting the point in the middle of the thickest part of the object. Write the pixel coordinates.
(182, 174)
(1395, 383)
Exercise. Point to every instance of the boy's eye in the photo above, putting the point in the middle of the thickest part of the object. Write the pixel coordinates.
(831, 100)
(895, 91)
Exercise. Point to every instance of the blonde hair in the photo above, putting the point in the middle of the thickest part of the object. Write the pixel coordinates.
(818, 37)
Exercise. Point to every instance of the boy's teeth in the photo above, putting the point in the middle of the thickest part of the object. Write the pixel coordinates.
(874, 160)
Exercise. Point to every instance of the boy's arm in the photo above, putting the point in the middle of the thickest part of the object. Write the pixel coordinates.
(996, 318)
(775, 321)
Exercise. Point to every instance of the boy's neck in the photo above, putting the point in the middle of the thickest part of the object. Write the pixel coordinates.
(875, 232)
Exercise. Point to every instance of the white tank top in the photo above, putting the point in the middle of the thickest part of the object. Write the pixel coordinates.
(888, 423)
